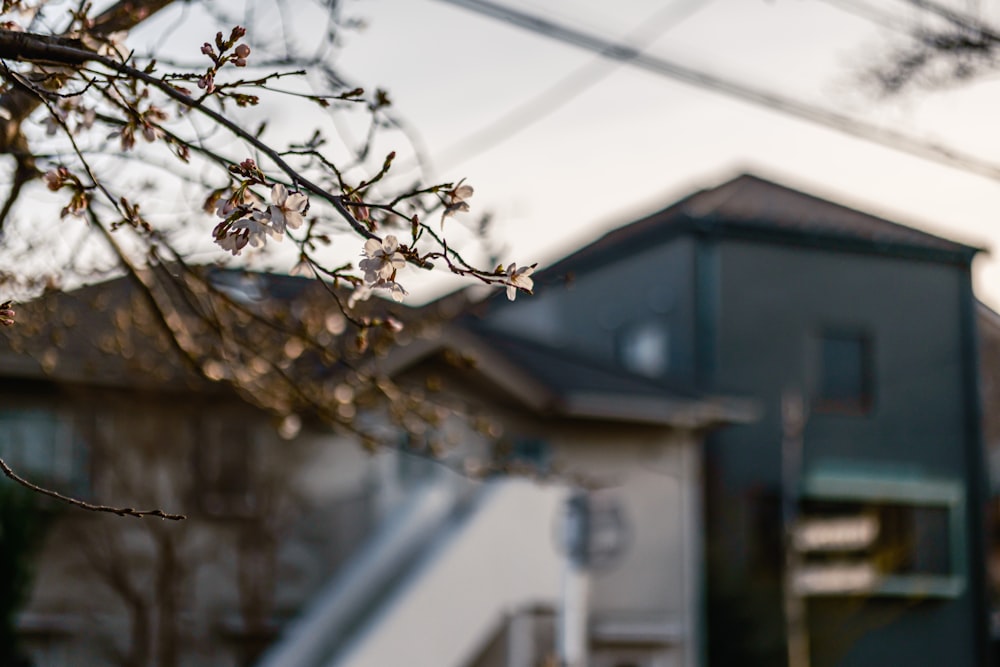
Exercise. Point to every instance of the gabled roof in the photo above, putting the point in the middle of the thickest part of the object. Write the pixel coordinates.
(754, 208)
(557, 383)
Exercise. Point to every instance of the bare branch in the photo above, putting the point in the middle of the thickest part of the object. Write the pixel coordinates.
(120, 511)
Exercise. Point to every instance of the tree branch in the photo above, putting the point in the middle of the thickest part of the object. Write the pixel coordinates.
(55, 50)
(120, 511)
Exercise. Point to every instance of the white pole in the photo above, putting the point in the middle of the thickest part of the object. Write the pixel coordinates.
(571, 636)
(793, 422)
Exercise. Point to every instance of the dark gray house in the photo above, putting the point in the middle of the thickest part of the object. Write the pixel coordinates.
(850, 532)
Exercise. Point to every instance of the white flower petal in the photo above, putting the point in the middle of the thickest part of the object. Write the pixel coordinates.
(372, 246)
(397, 292)
(296, 202)
(279, 194)
(360, 293)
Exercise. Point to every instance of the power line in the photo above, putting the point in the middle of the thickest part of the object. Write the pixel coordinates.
(747, 93)
(564, 90)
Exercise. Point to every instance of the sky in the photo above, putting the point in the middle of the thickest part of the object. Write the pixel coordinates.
(634, 141)
(562, 145)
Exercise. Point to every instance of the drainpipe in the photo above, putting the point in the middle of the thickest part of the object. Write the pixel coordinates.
(793, 418)
(571, 631)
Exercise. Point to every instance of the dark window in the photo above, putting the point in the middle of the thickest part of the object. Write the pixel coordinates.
(525, 453)
(43, 446)
(915, 539)
(845, 373)
(223, 469)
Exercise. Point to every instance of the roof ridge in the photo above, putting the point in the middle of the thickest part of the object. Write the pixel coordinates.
(751, 204)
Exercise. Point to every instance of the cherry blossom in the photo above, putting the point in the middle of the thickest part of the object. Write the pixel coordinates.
(234, 242)
(396, 290)
(242, 200)
(455, 200)
(519, 278)
(459, 193)
(287, 209)
(54, 178)
(243, 222)
(364, 292)
(207, 82)
(258, 228)
(382, 260)
(360, 293)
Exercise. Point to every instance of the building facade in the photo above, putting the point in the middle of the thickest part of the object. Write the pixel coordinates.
(857, 337)
(772, 400)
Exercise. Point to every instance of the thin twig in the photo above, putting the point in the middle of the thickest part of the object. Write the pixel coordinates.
(28, 46)
(120, 511)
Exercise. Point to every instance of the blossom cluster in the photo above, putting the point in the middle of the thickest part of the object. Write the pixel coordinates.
(247, 221)
(238, 58)
(382, 260)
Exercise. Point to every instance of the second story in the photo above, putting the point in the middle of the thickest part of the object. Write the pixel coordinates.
(752, 288)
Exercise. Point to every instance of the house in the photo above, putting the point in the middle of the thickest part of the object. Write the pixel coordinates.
(763, 407)
(309, 526)
(847, 531)
(494, 588)
(989, 335)
(116, 417)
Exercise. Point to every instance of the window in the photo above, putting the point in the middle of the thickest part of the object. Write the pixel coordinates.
(845, 382)
(530, 454)
(43, 446)
(644, 347)
(881, 535)
(46, 650)
(223, 467)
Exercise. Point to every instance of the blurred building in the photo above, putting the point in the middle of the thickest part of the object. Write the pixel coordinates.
(845, 526)
(759, 411)
(330, 549)
(989, 333)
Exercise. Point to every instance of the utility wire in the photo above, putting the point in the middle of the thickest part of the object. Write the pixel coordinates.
(564, 90)
(758, 96)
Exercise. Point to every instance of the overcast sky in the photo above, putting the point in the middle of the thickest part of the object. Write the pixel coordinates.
(586, 149)
(634, 141)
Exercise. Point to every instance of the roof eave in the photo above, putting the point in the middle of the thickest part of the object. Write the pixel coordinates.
(758, 230)
(688, 414)
(673, 222)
